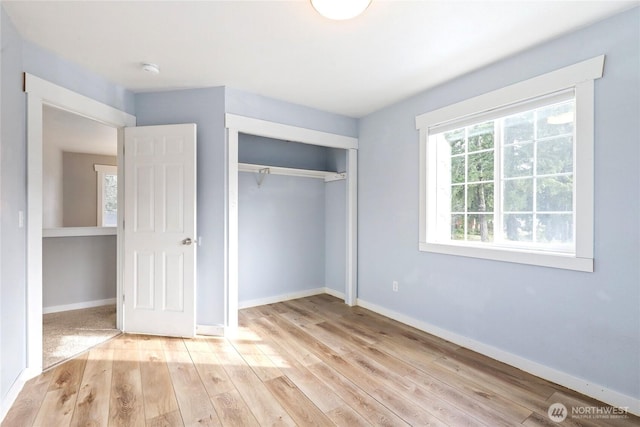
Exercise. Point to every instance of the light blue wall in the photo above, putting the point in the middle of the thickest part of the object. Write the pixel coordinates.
(274, 152)
(205, 108)
(584, 324)
(281, 236)
(260, 107)
(12, 199)
(335, 213)
(46, 65)
(93, 273)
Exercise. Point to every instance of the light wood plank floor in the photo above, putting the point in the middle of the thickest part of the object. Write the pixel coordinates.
(307, 362)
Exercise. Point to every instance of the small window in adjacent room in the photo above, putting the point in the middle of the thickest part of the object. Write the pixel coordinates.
(508, 175)
(107, 192)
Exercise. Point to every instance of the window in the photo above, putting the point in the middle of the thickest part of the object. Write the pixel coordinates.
(107, 195)
(509, 175)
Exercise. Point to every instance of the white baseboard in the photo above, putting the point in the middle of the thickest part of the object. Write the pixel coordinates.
(286, 297)
(210, 330)
(15, 390)
(581, 385)
(280, 298)
(78, 306)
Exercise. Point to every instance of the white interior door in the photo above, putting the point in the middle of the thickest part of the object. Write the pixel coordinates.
(160, 230)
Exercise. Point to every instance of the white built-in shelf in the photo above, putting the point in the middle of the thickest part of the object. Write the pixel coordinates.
(306, 173)
(79, 231)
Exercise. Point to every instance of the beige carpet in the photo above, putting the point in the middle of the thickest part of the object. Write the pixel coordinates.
(68, 333)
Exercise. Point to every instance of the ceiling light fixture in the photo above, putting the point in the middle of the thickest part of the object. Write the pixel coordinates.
(340, 9)
(151, 68)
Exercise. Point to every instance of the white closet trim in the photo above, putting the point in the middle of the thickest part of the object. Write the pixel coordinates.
(239, 124)
(305, 173)
(268, 129)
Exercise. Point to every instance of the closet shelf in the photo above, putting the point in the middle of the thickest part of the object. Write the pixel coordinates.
(306, 173)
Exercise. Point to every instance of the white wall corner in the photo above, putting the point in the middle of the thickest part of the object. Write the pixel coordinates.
(580, 385)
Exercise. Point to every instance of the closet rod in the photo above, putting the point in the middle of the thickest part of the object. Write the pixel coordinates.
(306, 173)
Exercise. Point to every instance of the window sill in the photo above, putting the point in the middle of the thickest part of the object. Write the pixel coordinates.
(79, 231)
(543, 259)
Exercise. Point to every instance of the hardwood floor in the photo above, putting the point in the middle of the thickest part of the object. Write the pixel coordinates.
(307, 362)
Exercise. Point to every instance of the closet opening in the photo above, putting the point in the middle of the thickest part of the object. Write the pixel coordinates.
(291, 220)
(291, 213)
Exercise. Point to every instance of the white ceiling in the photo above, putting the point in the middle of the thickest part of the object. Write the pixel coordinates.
(71, 132)
(285, 50)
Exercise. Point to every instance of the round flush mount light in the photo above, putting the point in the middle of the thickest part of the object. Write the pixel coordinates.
(340, 9)
(151, 68)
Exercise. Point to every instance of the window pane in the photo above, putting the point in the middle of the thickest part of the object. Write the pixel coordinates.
(535, 174)
(455, 138)
(518, 195)
(110, 194)
(481, 136)
(555, 156)
(457, 169)
(480, 198)
(518, 128)
(518, 227)
(480, 227)
(555, 194)
(457, 198)
(480, 166)
(457, 227)
(555, 120)
(518, 160)
(555, 228)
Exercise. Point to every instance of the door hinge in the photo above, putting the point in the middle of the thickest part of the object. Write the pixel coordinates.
(123, 298)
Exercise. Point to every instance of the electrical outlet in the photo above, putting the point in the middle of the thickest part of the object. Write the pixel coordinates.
(395, 286)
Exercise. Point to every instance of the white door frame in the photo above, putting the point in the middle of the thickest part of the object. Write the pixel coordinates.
(39, 93)
(239, 124)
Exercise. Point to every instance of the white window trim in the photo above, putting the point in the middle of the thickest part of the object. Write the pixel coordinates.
(102, 170)
(581, 78)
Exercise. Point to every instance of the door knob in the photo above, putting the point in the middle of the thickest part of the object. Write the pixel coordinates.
(187, 241)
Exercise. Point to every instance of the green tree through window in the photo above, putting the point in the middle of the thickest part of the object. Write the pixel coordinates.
(523, 161)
